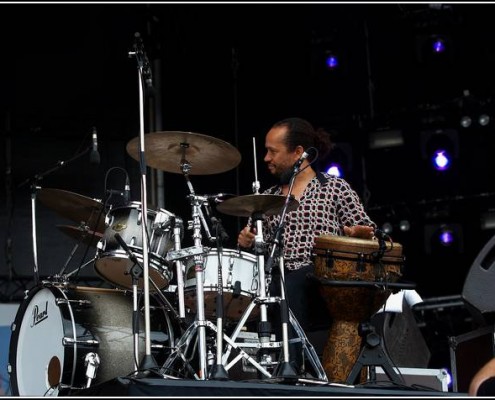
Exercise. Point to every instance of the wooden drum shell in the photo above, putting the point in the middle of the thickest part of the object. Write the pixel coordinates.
(347, 272)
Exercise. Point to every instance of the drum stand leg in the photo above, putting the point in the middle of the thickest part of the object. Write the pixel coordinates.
(264, 346)
(136, 272)
(372, 355)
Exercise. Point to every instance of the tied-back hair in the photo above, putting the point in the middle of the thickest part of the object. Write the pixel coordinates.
(301, 133)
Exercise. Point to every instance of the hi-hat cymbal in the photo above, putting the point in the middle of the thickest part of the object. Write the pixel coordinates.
(246, 206)
(167, 150)
(86, 236)
(78, 208)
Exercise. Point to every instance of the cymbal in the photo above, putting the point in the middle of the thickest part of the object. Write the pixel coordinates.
(75, 207)
(168, 149)
(88, 237)
(245, 206)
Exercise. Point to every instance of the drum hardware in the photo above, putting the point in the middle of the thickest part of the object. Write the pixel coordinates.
(92, 362)
(136, 272)
(284, 370)
(82, 234)
(84, 211)
(353, 294)
(373, 354)
(203, 151)
(218, 371)
(144, 70)
(55, 328)
(179, 268)
(202, 159)
(257, 206)
(113, 263)
(207, 155)
(33, 182)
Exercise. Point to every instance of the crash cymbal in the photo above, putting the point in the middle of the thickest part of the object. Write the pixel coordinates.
(75, 207)
(86, 236)
(166, 151)
(245, 206)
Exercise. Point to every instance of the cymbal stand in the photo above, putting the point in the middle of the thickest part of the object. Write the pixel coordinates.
(34, 190)
(83, 227)
(256, 183)
(178, 228)
(218, 371)
(144, 73)
(264, 327)
(196, 202)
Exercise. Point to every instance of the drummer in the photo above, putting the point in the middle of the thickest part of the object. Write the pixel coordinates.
(327, 205)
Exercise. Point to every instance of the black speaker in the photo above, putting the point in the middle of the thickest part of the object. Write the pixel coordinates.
(402, 338)
(480, 280)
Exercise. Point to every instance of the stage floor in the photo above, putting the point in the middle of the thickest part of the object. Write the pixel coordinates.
(164, 387)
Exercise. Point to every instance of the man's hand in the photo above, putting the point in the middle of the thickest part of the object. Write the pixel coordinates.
(246, 237)
(359, 231)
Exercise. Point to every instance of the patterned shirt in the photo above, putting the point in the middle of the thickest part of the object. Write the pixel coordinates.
(326, 205)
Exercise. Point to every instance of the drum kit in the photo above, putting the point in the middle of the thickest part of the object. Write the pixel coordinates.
(67, 337)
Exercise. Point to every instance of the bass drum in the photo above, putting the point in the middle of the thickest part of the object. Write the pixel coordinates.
(59, 328)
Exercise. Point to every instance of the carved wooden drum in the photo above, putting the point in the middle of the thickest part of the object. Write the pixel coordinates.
(354, 274)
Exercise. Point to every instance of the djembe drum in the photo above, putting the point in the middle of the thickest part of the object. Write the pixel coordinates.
(353, 274)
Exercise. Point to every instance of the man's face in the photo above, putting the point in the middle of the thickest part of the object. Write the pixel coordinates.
(278, 158)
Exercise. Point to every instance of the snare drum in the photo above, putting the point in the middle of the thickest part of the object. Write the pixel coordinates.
(114, 264)
(354, 287)
(56, 328)
(240, 283)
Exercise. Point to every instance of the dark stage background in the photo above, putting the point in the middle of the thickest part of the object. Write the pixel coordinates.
(230, 71)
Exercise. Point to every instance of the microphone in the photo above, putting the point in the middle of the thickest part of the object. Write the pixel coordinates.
(219, 229)
(298, 163)
(218, 198)
(143, 60)
(127, 190)
(380, 235)
(94, 156)
(287, 175)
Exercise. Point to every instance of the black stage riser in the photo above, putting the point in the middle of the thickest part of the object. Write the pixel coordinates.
(193, 388)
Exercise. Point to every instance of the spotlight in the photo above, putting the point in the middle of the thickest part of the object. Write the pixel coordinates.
(444, 238)
(404, 225)
(441, 160)
(466, 121)
(388, 228)
(335, 170)
(438, 45)
(440, 147)
(484, 119)
(340, 160)
(331, 61)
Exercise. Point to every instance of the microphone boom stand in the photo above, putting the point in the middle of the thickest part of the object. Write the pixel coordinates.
(285, 370)
(148, 360)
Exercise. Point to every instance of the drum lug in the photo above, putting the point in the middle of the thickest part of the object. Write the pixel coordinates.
(66, 341)
(360, 266)
(329, 257)
(82, 303)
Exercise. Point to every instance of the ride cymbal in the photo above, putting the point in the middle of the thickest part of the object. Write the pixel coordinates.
(78, 208)
(245, 206)
(168, 150)
(85, 236)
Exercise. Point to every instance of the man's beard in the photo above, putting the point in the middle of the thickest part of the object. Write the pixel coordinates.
(285, 176)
